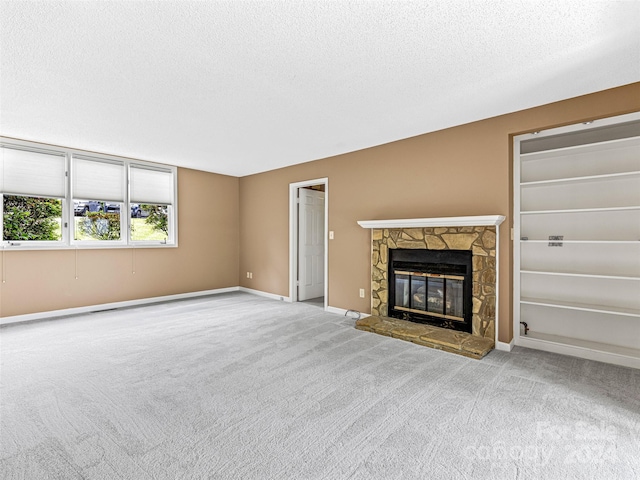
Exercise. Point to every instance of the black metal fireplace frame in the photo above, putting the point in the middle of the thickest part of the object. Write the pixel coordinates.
(443, 262)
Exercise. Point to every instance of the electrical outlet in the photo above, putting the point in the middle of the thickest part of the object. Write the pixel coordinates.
(331, 235)
(362, 293)
(248, 275)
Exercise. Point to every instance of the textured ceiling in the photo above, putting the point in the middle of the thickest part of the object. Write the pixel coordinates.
(241, 87)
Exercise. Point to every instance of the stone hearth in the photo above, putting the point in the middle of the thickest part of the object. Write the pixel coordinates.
(456, 233)
(451, 341)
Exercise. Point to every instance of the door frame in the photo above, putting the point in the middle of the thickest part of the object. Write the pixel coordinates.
(293, 236)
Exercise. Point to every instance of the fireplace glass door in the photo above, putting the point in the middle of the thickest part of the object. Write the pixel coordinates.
(455, 300)
(435, 296)
(430, 294)
(402, 290)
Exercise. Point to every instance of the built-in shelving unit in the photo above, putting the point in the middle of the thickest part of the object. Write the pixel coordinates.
(577, 240)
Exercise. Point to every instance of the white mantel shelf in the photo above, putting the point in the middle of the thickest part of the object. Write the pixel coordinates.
(475, 221)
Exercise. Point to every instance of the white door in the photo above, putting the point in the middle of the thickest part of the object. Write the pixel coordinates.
(310, 244)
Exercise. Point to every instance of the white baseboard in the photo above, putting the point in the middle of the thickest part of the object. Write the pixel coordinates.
(144, 301)
(260, 293)
(330, 309)
(505, 347)
(109, 306)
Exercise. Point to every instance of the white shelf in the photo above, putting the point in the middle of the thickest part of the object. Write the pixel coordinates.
(580, 210)
(604, 347)
(582, 298)
(604, 352)
(627, 312)
(582, 275)
(605, 224)
(612, 242)
(588, 178)
(618, 156)
(581, 149)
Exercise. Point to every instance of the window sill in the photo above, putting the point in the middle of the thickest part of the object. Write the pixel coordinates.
(23, 247)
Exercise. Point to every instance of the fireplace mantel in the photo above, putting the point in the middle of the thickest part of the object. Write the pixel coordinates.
(473, 221)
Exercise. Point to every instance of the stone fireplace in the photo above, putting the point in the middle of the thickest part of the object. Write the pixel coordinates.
(475, 235)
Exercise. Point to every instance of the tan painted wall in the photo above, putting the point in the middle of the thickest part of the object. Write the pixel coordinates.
(229, 226)
(207, 258)
(465, 170)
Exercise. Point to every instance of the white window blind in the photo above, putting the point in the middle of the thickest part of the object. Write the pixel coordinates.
(98, 179)
(25, 172)
(152, 186)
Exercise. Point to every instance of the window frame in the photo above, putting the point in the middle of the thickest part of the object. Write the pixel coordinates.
(68, 218)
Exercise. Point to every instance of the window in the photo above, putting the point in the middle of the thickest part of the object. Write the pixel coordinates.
(57, 197)
(151, 197)
(98, 189)
(33, 188)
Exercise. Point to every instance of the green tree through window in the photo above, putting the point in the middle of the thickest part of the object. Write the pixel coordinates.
(157, 218)
(31, 218)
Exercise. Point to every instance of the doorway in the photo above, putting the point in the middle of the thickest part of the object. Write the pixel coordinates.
(308, 220)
